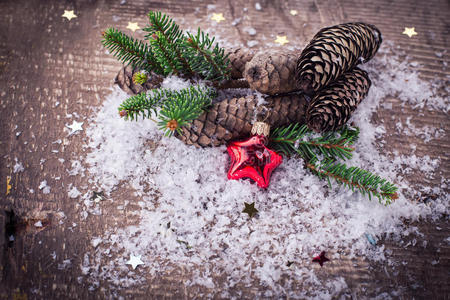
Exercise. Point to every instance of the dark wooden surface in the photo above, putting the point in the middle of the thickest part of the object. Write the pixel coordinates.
(46, 59)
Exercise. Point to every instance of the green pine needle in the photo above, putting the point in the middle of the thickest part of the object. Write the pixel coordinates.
(299, 139)
(355, 178)
(208, 61)
(331, 146)
(130, 51)
(183, 107)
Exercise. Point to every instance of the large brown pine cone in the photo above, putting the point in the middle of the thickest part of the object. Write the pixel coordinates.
(233, 118)
(331, 108)
(334, 51)
(238, 59)
(272, 73)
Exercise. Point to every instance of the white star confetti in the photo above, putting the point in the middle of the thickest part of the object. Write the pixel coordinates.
(69, 14)
(133, 26)
(281, 40)
(134, 261)
(410, 31)
(218, 17)
(75, 126)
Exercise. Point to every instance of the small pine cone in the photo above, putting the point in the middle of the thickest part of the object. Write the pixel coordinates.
(331, 108)
(125, 81)
(233, 118)
(238, 58)
(272, 73)
(334, 51)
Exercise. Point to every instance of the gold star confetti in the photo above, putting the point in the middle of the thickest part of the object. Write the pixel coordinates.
(8, 184)
(250, 209)
(293, 12)
(217, 17)
(409, 31)
(133, 26)
(69, 14)
(281, 40)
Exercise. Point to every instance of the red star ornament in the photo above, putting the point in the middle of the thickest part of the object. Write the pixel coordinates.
(252, 159)
(320, 258)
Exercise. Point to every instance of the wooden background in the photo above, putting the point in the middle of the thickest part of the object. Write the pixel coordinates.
(45, 59)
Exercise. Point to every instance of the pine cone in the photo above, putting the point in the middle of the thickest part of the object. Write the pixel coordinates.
(125, 81)
(331, 108)
(238, 58)
(334, 51)
(233, 118)
(272, 73)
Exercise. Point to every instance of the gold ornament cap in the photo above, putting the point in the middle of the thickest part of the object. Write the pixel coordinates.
(261, 128)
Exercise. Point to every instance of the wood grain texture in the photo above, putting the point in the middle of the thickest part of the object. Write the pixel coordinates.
(46, 60)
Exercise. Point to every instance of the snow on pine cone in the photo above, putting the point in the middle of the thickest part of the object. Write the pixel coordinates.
(331, 108)
(233, 118)
(334, 51)
(272, 73)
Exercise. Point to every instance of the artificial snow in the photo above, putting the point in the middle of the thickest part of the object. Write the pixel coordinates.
(191, 216)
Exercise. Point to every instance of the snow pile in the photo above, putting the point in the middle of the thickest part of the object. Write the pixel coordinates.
(191, 216)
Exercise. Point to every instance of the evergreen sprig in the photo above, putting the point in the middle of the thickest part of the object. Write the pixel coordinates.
(170, 51)
(355, 178)
(144, 104)
(183, 107)
(130, 51)
(299, 139)
(177, 108)
(321, 154)
(208, 61)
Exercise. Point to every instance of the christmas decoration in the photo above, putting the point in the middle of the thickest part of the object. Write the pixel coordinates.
(133, 26)
(281, 40)
(272, 73)
(250, 209)
(252, 159)
(135, 261)
(69, 15)
(217, 17)
(8, 185)
(334, 51)
(74, 127)
(321, 258)
(410, 31)
(331, 108)
(326, 67)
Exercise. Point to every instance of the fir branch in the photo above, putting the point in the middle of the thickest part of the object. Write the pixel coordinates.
(130, 51)
(183, 107)
(172, 34)
(355, 178)
(299, 139)
(144, 104)
(166, 58)
(210, 64)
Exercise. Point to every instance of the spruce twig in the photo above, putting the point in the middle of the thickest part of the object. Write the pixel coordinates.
(130, 51)
(299, 139)
(172, 33)
(355, 178)
(332, 146)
